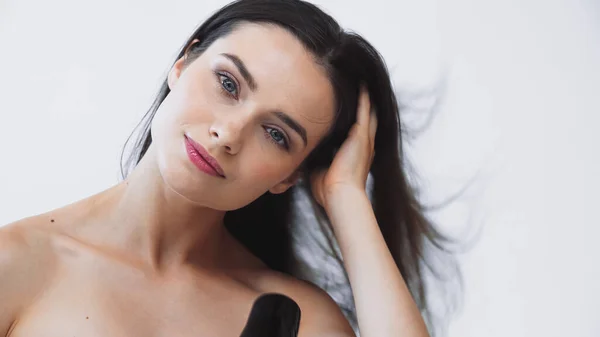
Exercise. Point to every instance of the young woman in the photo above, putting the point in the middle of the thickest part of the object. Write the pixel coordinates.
(265, 97)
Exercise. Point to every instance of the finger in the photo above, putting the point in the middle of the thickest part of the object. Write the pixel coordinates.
(363, 108)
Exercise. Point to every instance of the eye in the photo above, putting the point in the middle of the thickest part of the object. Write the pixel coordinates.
(277, 137)
(228, 84)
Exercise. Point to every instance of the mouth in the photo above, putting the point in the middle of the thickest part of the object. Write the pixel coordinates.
(202, 159)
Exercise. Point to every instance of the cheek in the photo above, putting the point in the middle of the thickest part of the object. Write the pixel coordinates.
(183, 109)
(164, 119)
(268, 171)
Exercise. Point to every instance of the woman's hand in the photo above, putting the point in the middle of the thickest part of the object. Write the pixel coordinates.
(374, 277)
(352, 162)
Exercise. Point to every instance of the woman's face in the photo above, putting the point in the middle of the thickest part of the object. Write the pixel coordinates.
(234, 100)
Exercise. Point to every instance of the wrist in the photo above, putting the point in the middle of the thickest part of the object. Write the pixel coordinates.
(341, 195)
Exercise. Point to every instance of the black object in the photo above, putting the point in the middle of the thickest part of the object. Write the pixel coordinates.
(273, 315)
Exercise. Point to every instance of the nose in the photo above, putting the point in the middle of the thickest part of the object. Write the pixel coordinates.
(227, 133)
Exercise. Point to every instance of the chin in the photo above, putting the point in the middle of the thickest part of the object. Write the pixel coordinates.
(203, 192)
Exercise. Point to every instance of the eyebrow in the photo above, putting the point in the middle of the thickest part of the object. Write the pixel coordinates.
(243, 70)
(292, 124)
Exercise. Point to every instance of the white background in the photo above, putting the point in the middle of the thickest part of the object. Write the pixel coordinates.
(521, 107)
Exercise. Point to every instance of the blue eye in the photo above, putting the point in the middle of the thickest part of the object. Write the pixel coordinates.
(228, 85)
(277, 137)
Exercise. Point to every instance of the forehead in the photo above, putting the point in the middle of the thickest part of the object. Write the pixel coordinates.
(287, 76)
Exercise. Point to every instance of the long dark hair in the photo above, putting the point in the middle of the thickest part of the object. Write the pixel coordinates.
(266, 226)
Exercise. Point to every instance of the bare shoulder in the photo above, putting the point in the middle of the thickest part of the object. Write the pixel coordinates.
(21, 242)
(321, 316)
(25, 237)
(25, 251)
(25, 264)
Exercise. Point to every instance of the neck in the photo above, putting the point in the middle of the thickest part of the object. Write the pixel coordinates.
(153, 222)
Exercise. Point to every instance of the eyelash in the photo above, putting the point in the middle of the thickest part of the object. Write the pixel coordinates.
(285, 144)
(220, 76)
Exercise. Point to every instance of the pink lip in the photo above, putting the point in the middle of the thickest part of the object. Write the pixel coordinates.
(200, 157)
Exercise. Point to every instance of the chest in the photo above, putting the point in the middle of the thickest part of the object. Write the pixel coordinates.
(99, 300)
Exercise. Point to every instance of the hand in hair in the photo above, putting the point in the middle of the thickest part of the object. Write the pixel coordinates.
(352, 162)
